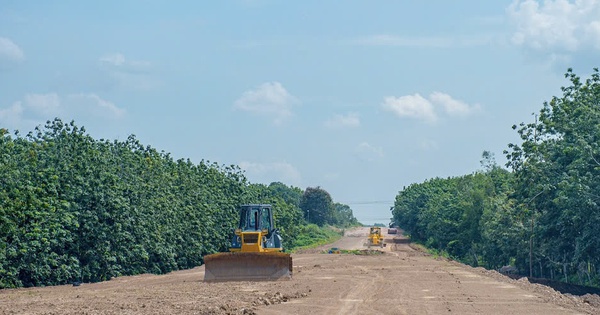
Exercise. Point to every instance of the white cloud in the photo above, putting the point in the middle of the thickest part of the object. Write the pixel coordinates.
(367, 152)
(594, 30)
(271, 172)
(10, 51)
(11, 116)
(428, 145)
(35, 109)
(135, 74)
(452, 106)
(341, 121)
(119, 61)
(269, 99)
(417, 107)
(113, 59)
(94, 105)
(556, 26)
(411, 106)
(44, 105)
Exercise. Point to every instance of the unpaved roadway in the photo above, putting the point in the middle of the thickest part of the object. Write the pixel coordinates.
(401, 280)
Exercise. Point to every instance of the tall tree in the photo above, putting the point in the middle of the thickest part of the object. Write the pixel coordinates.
(556, 167)
(291, 195)
(317, 206)
(343, 215)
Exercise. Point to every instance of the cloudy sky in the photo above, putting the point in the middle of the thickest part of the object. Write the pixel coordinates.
(360, 98)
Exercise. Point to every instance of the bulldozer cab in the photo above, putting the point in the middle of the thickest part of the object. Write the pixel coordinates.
(256, 218)
(256, 232)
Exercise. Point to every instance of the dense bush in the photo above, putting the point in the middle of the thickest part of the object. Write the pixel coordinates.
(542, 217)
(73, 208)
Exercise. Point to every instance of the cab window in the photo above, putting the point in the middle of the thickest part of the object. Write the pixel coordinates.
(252, 217)
(265, 222)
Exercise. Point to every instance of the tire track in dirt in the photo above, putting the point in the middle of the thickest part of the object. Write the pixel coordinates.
(400, 281)
(361, 292)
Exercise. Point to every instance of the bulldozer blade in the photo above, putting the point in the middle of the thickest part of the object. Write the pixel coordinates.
(247, 267)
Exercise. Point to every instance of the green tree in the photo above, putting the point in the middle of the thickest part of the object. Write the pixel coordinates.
(343, 216)
(291, 195)
(317, 206)
(556, 169)
(458, 215)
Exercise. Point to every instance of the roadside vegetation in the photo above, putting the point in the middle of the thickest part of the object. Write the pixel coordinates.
(541, 215)
(312, 236)
(77, 209)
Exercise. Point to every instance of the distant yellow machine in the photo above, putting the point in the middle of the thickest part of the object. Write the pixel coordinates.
(375, 237)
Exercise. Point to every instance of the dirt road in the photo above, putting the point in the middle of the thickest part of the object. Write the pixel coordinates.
(400, 280)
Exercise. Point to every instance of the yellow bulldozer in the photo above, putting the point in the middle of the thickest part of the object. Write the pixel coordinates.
(256, 252)
(375, 237)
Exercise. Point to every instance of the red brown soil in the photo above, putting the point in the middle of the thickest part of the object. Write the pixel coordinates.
(401, 280)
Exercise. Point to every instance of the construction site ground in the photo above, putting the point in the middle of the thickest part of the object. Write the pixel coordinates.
(395, 279)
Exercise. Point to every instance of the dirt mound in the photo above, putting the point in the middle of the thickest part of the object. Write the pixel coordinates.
(567, 288)
(590, 303)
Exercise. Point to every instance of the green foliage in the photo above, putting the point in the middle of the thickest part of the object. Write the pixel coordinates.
(343, 216)
(543, 216)
(458, 216)
(556, 168)
(291, 195)
(73, 208)
(77, 209)
(317, 205)
(312, 235)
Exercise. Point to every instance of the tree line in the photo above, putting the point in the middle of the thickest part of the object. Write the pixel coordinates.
(73, 208)
(542, 215)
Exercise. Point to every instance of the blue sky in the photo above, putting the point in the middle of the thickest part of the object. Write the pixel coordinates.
(360, 98)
